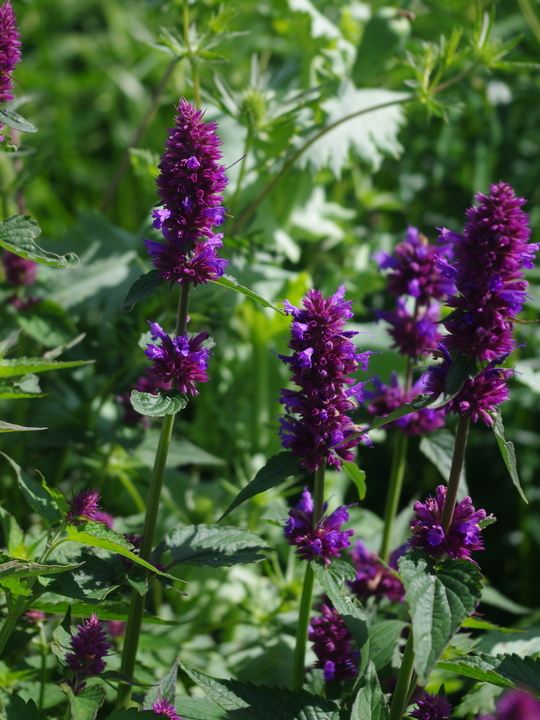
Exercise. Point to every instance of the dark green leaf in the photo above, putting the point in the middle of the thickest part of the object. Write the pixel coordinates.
(383, 38)
(493, 597)
(507, 451)
(168, 403)
(107, 611)
(369, 703)
(462, 369)
(90, 583)
(132, 714)
(17, 234)
(9, 427)
(16, 121)
(440, 597)
(18, 709)
(357, 476)
(383, 639)
(48, 323)
(503, 670)
(61, 644)
(276, 470)
(37, 496)
(212, 546)
(142, 287)
(85, 705)
(195, 708)
(22, 366)
(165, 689)
(229, 282)
(406, 409)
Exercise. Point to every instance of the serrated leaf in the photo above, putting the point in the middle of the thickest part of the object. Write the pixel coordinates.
(17, 234)
(246, 701)
(213, 546)
(370, 703)
(507, 451)
(37, 496)
(24, 569)
(383, 639)
(463, 368)
(357, 476)
(85, 705)
(165, 689)
(13, 535)
(232, 283)
(16, 121)
(22, 366)
(503, 670)
(168, 403)
(10, 392)
(478, 624)
(61, 644)
(10, 427)
(276, 470)
(142, 287)
(90, 583)
(440, 597)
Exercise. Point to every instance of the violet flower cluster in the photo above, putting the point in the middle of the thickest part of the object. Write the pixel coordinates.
(190, 184)
(10, 53)
(163, 707)
(373, 577)
(89, 646)
(85, 506)
(316, 427)
(325, 540)
(332, 642)
(515, 705)
(431, 707)
(463, 536)
(492, 254)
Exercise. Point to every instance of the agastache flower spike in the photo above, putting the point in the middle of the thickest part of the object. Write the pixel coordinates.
(85, 506)
(332, 642)
(412, 334)
(10, 53)
(515, 705)
(162, 707)
(373, 577)
(89, 646)
(431, 707)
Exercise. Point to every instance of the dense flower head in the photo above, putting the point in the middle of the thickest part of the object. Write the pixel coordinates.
(332, 642)
(463, 536)
(18, 270)
(316, 427)
(386, 398)
(142, 384)
(197, 265)
(10, 52)
(182, 361)
(412, 334)
(89, 646)
(163, 707)
(431, 707)
(414, 268)
(325, 540)
(515, 705)
(373, 577)
(85, 506)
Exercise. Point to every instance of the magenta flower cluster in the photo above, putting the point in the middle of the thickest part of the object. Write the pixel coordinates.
(431, 707)
(10, 52)
(89, 646)
(182, 361)
(18, 270)
(85, 505)
(163, 707)
(323, 540)
(332, 642)
(515, 705)
(316, 427)
(190, 184)
(463, 535)
(373, 577)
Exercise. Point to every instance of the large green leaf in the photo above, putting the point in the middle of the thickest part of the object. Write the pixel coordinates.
(165, 689)
(37, 496)
(85, 705)
(48, 323)
(17, 234)
(440, 597)
(503, 670)
(143, 286)
(26, 569)
(107, 611)
(246, 701)
(232, 283)
(16, 121)
(369, 703)
(22, 366)
(212, 546)
(507, 451)
(167, 403)
(276, 470)
(18, 709)
(91, 583)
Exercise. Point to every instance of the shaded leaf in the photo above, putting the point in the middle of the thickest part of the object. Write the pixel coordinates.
(90, 583)
(357, 476)
(37, 496)
(48, 323)
(195, 708)
(384, 36)
(16, 121)
(167, 403)
(142, 287)
(503, 670)
(232, 283)
(370, 703)
(107, 611)
(85, 705)
(212, 546)
(383, 639)
(24, 569)
(18, 709)
(507, 451)
(17, 234)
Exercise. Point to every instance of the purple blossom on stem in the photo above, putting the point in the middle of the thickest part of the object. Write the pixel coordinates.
(316, 427)
(182, 361)
(89, 646)
(18, 270)
(515, 705)
(85, 506)
(464, 533)
(325, 540)
(431, 707)
(199, 265)
(162, 707)
(332, 645)
(10, 53)
(415, 334)
(373, 577)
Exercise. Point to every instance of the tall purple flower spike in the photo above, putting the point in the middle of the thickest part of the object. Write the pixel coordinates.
(89, 646)
(323, 541)
(413, 335)
(10, 52)
(515, 705)
(464, 533)
(431, 707)
(316, 426)
(332, 642)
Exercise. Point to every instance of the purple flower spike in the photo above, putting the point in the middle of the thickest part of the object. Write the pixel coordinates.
(196, 266)
(332, 645)
(431, 707)
(162, 707)
(416, 334)
(85, 506)
(89, 645)
(323, 541)
(463, 536)
(316, 426)
(374, 578)
(18, 270)
(182, 361)
(515, 705)
(10, 53)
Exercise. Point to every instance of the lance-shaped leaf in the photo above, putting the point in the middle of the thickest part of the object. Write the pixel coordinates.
(17, 234)
(357, 476)
(167, 403)
(21, 366)
(16, 568)
(440, 597)
(165, 689)
(16, 121)
(37, 496)
(246, 701)
(507, 451)
(142, 287)
(230, 282)
(276, 470)
(10, 427)
(370, 703)
(503, 670)
(212, 546)
(107, 611)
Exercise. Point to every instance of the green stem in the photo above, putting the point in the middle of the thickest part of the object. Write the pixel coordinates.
(458, 456)
(247, 148)
(318, 495)
(401, 693)
(394, 492)
(302, 630)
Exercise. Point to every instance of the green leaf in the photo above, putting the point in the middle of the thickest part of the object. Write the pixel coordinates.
(24, 569)
(16, 121)
(11, 392)
(9, 427)
(406, 409)
(107, 611)
(357, 476)
(132, 714)
(212, 546)
(383, 639)
(37, 496)
(332, 579)
(48, 323)
(85, 705)
(246, 701)
(17, 234)
(62, 640)
(230, 282)
(503, 670)
(383, 39)
(165, 689)
(18, 709)
(142, 287)
(15, 586)
(369, 703)
(276, 470)
(507, 451)
(477, 624)
(22, 366)
(195, 708)
(493, 597)
(463, 368)
(13, 535)
(168, 403)
(440, 597)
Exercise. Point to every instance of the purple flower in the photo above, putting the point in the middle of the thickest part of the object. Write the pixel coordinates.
(18, 270)
(162, 707)
(332, 645)
(316, 426)
(324, 540)
(199, 265)
(182, 361)
(373, 577)
(431, 707)
(464, 533)
(10, 53)
(414, 268)
(515, 705)
(89, 646)
(415, 334)
(386, 398)
(85, 506)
